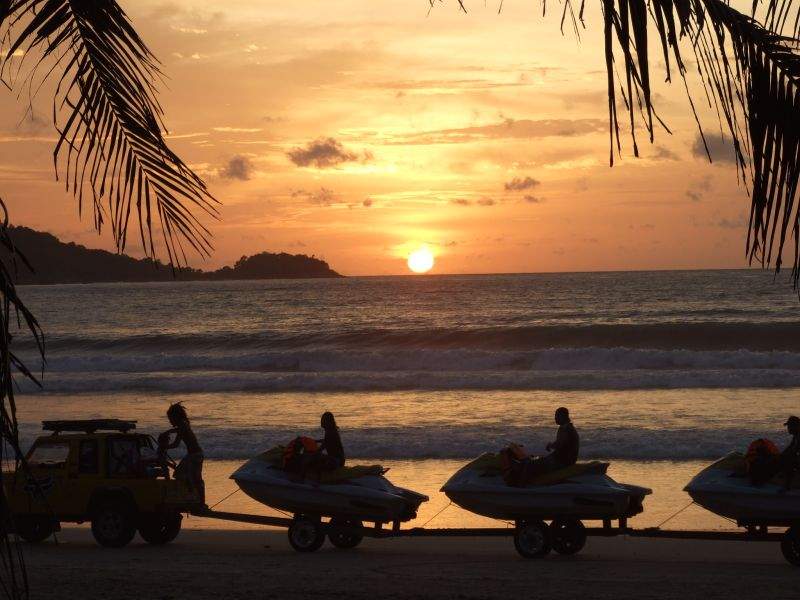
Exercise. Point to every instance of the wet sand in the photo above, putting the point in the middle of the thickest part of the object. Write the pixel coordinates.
(206, 564)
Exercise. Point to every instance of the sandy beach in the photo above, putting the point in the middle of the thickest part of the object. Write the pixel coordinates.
(260, 564)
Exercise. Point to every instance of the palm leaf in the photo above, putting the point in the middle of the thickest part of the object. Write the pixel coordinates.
(750, 77)
(749, 69)
(111, 147)
(13, 582)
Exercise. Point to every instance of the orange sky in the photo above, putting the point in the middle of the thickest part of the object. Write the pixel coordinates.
(357, 131)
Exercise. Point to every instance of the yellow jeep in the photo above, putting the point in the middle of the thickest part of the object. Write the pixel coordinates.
(99, 471)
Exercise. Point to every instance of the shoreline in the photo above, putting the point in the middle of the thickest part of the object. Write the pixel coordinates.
(206, 564)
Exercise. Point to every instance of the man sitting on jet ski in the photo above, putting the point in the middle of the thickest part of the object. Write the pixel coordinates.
(764, 461)
(564, 450)
(790, 457)
(519, 468)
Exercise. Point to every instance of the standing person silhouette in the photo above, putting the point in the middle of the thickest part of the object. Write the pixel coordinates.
(190, 467)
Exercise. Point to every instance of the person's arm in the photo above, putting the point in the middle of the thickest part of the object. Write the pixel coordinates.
(792, 463)
(558, 443)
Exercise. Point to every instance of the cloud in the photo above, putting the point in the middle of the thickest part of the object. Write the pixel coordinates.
(739, 223)
(533, 199)
(508, 129)
(700, 187)
(720, 147)
(663, 153)
(239, 167)
(484, 201)
(694, 196)
(237, 129)
(321, 197)
(367, 202)
(518, 184)
(323, 153)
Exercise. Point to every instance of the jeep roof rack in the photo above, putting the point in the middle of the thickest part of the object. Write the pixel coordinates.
(89, 425)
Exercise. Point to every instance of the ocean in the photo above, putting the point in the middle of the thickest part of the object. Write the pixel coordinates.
(662, 371)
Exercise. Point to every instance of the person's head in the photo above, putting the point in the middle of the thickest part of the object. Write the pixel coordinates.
(562, 416)
(793, 425)
(177, 414)
(327, 421)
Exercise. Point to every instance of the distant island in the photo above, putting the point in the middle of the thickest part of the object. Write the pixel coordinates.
(54, 262)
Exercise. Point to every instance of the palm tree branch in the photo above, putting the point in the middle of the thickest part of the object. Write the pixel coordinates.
(110, 123)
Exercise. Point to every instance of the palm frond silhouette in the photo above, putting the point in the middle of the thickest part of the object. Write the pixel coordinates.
(748, 67)
(111, 153)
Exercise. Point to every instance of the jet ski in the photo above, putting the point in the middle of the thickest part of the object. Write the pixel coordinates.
(725, 489)
(352, 492)
(581, 491)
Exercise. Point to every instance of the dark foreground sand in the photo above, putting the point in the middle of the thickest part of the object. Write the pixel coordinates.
(205, 564)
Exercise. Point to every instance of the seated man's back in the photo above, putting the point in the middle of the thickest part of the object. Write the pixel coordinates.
(567, 445)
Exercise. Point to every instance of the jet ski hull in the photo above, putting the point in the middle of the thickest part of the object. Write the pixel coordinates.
(589, 496)
(720, 491)
(368, 498)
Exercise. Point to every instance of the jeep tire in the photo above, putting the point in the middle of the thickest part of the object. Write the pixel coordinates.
(160, 529)
(34, 529)
(113, 524)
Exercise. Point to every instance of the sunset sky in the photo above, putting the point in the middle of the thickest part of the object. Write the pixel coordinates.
(356, 131)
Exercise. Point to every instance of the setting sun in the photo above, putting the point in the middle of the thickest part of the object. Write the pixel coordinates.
(420, 260)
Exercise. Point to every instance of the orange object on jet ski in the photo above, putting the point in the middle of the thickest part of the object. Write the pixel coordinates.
(299, 446)
(760, 448)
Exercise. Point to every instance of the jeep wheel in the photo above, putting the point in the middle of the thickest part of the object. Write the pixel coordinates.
(160, 529)
(34, 529)
(113, 525)
(790, 545)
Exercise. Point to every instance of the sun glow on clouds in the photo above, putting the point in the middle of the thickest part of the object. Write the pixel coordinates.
(483, 136)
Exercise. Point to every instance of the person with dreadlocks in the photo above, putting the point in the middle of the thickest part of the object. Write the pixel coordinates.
(190, 468)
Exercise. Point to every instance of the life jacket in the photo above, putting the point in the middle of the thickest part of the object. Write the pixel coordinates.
(760, 449)
(298, 448)
(511, 460)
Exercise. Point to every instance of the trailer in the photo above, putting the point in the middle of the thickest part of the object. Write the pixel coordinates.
(532, 538)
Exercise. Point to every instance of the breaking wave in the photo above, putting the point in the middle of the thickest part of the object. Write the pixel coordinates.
(782, 336)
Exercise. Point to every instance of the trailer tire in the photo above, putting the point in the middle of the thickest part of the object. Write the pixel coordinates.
(306, 534)
(34, 530)
(113, 524)
(790, 545)
(160, 529)
(568, 536)
(344, 540)
(532, 539)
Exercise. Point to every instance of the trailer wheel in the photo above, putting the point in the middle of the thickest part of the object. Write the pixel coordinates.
(113, 524)
(306, 535)
(34, 529)
(339, 535)
(790, 545)
(532, 539)
(568, 536)
(161, 529)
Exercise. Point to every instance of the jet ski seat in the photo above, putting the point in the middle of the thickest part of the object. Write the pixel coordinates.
(274, 457)
(736, 464)
(490, 466)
